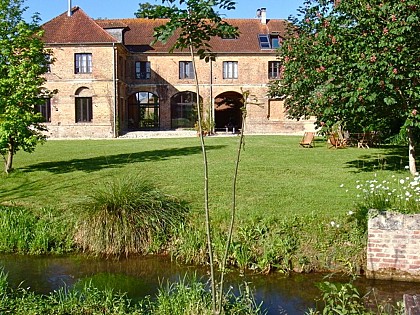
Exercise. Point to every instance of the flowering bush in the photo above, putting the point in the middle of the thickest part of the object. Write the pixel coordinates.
(398, 194)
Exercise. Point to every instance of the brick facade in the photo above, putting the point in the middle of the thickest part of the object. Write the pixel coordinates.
(116, 46)
(393, 250)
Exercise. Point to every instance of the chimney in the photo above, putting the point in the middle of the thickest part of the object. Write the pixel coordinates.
(263, 16)
(69, 8)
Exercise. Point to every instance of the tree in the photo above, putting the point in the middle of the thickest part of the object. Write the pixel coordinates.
(148, 11)
(195, 22)
(22, 65)
(356, 63)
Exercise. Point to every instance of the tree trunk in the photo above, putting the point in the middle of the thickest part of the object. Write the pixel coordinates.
(411, 152)
(9, 161)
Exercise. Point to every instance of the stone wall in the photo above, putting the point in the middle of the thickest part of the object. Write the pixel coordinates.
(393, 249)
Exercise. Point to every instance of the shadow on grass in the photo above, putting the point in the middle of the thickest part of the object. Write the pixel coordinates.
(391, 158)
(113, 161)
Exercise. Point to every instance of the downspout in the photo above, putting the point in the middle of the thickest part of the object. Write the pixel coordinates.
(212, 110)
(114, 81)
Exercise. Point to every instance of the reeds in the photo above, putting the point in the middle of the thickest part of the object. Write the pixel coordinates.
(128, 216)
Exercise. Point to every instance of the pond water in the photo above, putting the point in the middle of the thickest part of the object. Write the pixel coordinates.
(141, 276)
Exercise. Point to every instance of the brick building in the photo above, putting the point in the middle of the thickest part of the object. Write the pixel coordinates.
(110, 80)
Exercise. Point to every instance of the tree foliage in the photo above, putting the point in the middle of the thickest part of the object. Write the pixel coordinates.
(148, 11)
(197, 22)
(353, 62)
(22, 64)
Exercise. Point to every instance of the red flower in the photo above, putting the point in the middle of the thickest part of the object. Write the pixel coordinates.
(395, 70)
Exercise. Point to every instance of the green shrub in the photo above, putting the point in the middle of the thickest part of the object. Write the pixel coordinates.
(127, 216)
(344, 298)
(300, 243)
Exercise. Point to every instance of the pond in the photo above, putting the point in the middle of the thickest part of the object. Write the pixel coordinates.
(141, 276)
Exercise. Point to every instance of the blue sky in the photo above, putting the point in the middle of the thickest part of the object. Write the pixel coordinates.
(49, 9)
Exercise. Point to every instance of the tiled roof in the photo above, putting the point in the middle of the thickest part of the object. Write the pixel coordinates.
(139, 34)
(77, 28)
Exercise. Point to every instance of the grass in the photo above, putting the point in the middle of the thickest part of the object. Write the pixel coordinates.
(288, 197)
(276, 176)
(186, 297)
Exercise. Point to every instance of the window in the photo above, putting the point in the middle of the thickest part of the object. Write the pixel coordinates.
(274, 69)
(48, 60)
(264, 41)
(143, 70)
(269, 41)
(275, 42)
(83, 63)
(186, 70)
(230, 70)
(84, 109)
(184, 110)
(45, 110)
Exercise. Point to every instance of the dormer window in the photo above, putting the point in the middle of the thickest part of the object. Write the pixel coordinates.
(269, 41)
(264, 41)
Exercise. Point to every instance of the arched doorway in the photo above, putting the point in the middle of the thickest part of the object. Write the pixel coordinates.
(143, 111)
(227, 110)
(184, 110)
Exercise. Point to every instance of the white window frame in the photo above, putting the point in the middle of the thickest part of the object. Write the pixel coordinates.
(274, 69)
(186, 70)
(83, 63)
(230, 69)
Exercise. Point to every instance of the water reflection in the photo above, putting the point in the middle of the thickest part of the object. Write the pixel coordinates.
(141, 276)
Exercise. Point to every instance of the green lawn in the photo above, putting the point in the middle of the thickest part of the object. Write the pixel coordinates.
(276, 176)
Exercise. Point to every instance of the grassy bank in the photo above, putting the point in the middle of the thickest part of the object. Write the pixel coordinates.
(188, 296)
(287, 199)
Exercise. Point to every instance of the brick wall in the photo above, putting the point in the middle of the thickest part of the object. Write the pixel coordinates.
(98, 85)
(393, 249)
(164, 83)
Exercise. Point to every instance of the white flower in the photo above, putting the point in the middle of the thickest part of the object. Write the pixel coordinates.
(406, 167)
(401, 181)
(350, 212)
(332, 223)
(337, 226)
(342, 185)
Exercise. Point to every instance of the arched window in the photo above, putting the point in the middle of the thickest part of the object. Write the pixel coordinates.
(83, 105)
(183, 110)
(143, 111)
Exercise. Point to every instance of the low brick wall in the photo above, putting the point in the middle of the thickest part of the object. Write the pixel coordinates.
(393, 249)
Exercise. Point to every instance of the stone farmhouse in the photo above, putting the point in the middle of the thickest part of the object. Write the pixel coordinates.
(110, 80)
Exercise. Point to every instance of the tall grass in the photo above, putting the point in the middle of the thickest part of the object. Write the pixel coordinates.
(24, 231)
(128, 216)
(190, 296)
(301, 244)
(187, 297)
